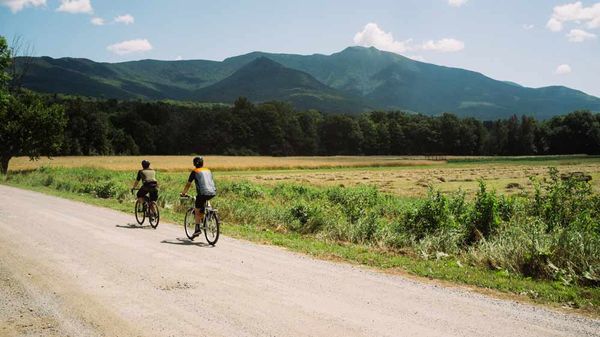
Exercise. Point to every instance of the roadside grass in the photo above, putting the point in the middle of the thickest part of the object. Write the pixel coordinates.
(356, 225)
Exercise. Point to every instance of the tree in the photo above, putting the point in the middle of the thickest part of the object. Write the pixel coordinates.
(29, 127)
(4, 75)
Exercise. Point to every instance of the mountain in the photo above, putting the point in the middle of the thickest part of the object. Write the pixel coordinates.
(263, 79)
(353, 80)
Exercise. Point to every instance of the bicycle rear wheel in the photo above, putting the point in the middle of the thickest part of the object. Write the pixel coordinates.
(189, 224)
(140, 212)
(154, 217)
(212, 228)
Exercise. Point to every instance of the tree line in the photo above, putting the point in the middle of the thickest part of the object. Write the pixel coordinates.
(100, 127)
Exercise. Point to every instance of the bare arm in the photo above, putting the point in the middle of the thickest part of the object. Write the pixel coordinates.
(186, 188)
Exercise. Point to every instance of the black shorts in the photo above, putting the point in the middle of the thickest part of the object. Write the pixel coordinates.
(201, 201)
(148, 189)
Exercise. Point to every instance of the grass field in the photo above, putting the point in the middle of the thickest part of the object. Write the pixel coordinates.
(542, 244)
(404, 176)
(221, 163)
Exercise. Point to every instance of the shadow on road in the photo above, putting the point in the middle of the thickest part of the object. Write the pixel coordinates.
(133, 226)
(186, 242)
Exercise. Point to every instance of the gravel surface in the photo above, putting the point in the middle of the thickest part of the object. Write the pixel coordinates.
(71, 269)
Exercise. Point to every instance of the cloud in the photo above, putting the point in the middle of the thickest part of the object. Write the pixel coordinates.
(444, 45)
(75, 6)
(18, 5)
(579, 35)
(126, 19)
(178, 58)
(457, 3)
(373, 36)
(97, 21)
(130, 46)
(563, 69)
(554, 25)
(574, 12)
(528, 26)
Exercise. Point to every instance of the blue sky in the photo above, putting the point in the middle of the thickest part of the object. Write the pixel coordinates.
(534, 43)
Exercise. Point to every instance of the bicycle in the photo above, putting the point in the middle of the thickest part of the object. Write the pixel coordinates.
(144, 210)
(210, 225)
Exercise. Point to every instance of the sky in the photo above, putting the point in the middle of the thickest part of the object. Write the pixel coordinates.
(534, 43)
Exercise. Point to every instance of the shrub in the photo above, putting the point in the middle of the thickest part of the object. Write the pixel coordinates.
(434, 214)
(485, 216)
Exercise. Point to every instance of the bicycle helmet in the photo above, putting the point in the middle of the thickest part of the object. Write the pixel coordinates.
(145, 164)
(198, 162)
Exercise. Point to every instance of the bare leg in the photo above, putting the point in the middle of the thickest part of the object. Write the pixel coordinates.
(199, 216)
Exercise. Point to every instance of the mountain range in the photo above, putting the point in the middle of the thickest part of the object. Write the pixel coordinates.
(354, 80)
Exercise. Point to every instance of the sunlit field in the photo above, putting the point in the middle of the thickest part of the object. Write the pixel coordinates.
(400, 175)
(220, 163)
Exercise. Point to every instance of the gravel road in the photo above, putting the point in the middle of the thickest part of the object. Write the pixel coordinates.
(71, 269)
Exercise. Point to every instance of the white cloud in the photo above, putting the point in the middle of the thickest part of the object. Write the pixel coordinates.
(17, 5)
(130, 46)
(554, 25)
(457, 3)
(178, 58)
(563, 69)
(579, 35)
(97, 21)
(373, 36)
(574, 12)
(75, 6)
(126, 19)
(444, 45)
(528, 26)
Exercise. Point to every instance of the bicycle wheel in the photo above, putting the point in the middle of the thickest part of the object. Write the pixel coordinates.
(189, 224)
(212, 226)
(154, 217)
(140, 212)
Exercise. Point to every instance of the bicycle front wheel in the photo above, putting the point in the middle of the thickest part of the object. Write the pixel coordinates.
(189, 224)
(140, 212)
(154, 217)
(212, 226)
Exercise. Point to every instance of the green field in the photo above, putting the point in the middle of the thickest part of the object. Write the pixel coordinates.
(540, 243)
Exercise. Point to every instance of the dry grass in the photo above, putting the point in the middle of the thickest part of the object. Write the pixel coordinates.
(221, 163)
(415, 181)
(404, 176)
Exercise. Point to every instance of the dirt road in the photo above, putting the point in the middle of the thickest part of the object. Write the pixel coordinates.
(70, 269)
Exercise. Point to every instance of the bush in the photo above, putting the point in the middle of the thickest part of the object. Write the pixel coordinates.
(434, 214)
(485, 216)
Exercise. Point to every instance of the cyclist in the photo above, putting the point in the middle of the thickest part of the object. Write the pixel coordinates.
(205, 189)
(149, 183)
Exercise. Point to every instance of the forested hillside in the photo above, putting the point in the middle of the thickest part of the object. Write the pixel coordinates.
(352, 81)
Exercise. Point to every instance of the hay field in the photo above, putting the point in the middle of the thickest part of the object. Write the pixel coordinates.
(507, 178)
(220, 163)
(403, 176)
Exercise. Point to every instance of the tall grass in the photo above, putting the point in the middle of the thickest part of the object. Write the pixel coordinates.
(554, 233)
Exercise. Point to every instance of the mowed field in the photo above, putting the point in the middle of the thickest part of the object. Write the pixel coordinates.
(222, 163)
(400, 175)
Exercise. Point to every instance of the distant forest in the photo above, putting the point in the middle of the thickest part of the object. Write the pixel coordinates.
(102, 127)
